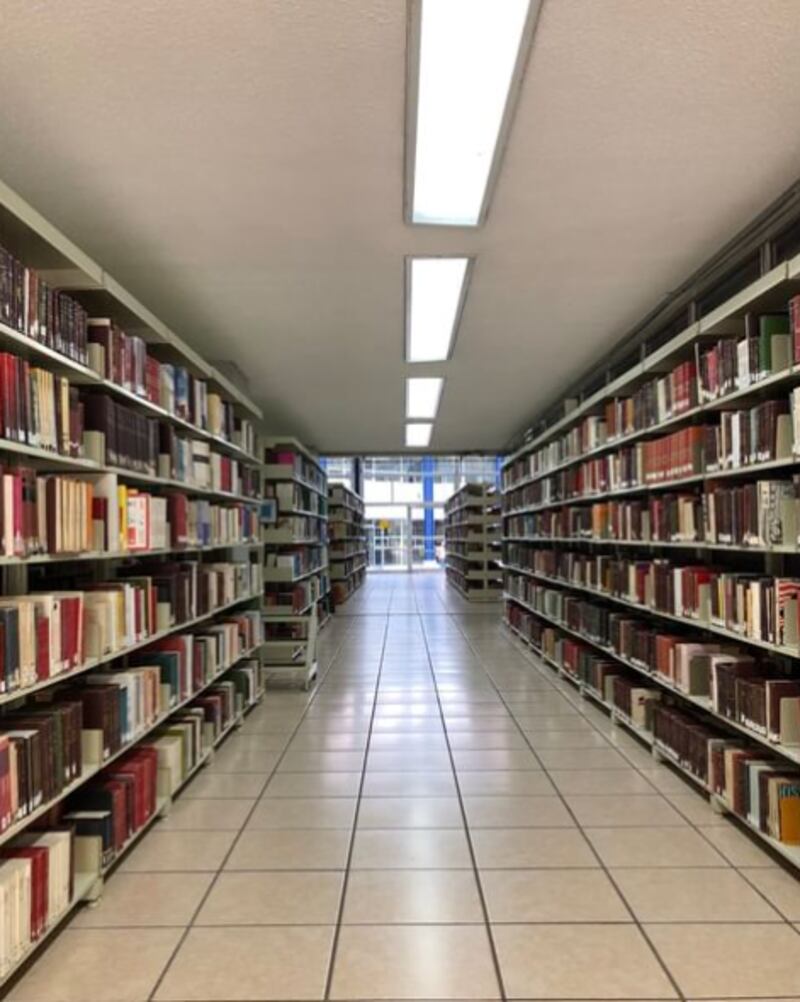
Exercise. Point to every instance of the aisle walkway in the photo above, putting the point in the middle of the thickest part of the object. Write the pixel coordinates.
(441, 819)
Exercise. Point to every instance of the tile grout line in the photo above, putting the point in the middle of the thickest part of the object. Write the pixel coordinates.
(679, 993)
(173, 955)
(467, 833)
(359, 796)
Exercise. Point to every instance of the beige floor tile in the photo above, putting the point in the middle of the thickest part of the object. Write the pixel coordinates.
(287, 898)
(328, 742)
(314, 784)
(494, 782)
(411, 761)
(716, 960)
(412, 896)
(410, 784)
(533, 725)
(737, 846)
(233, 965)
(653, 847)
(696, 809)
(207, 815)
(410, 849)
(516, 812)
(146, 899)
(225, 786)
(290, 849)
(188, 852)
(619, 810)
(256, 741)
(486, 740)
(582, 758)
(410, 812)
(552, 895)
(479, 725)
(546, 740)
(414, 962)
(579, 962)
(692, 895)
(780, 887)
(518, 848)
(400, 741)
(667, 781)
(495, 758)
(322, 761)
(240, 759)
(604, 781)
(299, 812)
(101, 965)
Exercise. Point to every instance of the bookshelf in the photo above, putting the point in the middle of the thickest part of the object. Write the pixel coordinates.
(297, 587)
(347, 542)
(651, 550)
(131, 567)
(473, 540)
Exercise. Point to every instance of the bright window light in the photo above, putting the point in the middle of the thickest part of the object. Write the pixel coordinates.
(468, 51)
(418, 436)
(434, 295)
(422, 396)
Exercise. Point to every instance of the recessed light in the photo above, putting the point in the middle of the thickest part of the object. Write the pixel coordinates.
(468, 52)
(422, 396)
(418, 436)
(435, 291)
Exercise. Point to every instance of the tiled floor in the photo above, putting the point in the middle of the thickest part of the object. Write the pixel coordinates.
(440, 819)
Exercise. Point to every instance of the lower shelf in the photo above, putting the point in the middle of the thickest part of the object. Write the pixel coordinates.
(660, 753)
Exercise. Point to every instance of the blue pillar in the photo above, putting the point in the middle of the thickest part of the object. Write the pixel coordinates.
(428, 466)
(498, 471)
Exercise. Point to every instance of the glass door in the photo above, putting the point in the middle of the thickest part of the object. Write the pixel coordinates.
(427, 537)
(388, 537)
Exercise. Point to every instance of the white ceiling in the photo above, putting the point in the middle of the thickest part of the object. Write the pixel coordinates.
(238, 164)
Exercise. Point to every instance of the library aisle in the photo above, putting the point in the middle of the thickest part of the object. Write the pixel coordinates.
(442, 818)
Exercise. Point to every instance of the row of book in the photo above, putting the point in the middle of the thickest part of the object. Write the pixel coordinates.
(124, 359)
(343, 587)
(293, 497)
(298, 528)
(771, 344)
(292, 599)
(118, 435)
(756, 606)
(758, 786)
(95, 513)
(296, 560)
(341, 549)
(759, 514)
(753, 692)
(54, 318)
(50, 742)
(295, 464)
(46, 634)
(340, 496)
(48, 315)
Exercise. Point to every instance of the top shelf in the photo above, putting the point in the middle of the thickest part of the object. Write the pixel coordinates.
(767, 293)
(38, 244)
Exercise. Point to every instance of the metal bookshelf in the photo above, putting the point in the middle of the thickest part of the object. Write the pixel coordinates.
(347, 545)
(548, 452)
(39, 245)
(473, 540)
(297, 587)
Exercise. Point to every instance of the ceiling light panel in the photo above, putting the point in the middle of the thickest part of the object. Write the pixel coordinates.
(436, 286)
(418, 436)
(422, 396)
(468, 51)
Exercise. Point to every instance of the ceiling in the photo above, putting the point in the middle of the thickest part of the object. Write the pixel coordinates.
(239, 166)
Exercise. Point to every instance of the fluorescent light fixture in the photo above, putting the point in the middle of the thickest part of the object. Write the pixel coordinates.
(418, 436)
(435, 291)
(468, 51)
(422, 396)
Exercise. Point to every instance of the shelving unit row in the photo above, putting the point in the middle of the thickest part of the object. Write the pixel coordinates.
(473, 540)
(348, 542)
